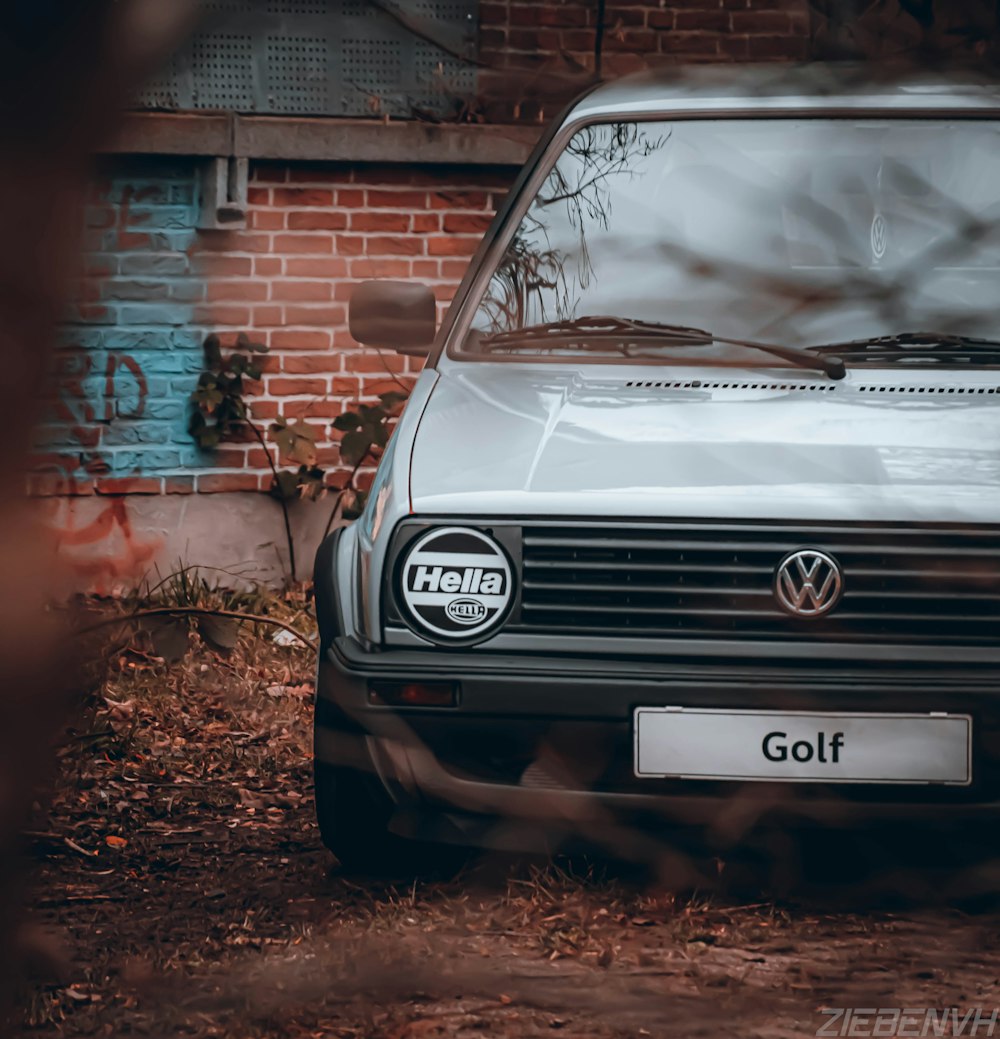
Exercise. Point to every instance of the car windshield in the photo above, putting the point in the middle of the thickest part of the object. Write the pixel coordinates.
(792, 231)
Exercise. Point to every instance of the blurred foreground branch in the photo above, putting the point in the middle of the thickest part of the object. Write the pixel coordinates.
(65, 69)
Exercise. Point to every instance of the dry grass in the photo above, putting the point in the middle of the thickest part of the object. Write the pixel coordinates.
(179, 866)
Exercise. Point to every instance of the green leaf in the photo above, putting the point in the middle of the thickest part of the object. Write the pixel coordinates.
(350, 420)
(209, 438)
(355, 446)
(312, 482)
(393, 399)
(285, 487)
(297, 442)
(355, 506)
(169, 636)
(213, 351)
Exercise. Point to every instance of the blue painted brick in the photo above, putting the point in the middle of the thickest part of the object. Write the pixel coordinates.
(164, 264)
(133, 289)
(186, 290)
(153, 314)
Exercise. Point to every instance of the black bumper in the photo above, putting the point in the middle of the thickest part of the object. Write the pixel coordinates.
(549, 740)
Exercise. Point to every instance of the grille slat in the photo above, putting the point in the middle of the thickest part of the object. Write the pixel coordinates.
(901, 584)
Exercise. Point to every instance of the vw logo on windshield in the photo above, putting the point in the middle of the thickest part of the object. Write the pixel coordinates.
(808, 583)
(880, 236)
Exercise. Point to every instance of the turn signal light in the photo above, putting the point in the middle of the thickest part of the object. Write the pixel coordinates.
(413, 694)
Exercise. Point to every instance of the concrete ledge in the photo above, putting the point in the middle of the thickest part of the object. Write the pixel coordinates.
(323, 140)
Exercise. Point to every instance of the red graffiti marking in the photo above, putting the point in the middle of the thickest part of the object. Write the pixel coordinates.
(110, 551)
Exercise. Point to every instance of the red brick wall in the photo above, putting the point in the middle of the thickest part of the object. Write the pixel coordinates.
(525, 35)
(313, 233)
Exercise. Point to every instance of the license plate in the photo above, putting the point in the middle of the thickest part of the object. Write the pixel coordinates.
(803, 746)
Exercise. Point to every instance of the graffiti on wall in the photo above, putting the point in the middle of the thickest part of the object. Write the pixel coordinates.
(116, 414)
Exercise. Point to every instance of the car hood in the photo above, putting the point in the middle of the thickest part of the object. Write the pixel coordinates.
(529, 439)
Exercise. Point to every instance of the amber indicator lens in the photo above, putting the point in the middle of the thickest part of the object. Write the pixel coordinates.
(413, 694)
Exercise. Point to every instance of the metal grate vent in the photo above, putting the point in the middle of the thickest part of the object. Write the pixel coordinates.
(322, 57)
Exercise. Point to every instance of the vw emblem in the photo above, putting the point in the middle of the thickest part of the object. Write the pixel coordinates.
(808, 583)
(879, 235)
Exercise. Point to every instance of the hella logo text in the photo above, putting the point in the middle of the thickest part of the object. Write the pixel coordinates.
(465, 580)
(466, 611)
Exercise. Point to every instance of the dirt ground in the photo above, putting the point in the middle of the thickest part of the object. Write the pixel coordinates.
(178, 887)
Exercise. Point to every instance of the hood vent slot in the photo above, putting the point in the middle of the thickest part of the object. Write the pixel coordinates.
(812, 387)
(699, 384)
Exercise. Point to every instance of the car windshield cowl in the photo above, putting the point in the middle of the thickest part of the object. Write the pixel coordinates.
(634, 338)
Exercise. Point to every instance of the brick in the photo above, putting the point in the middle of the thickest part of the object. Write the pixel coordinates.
(270, 172)
(268, 316)
(223, 314)
(316, 174)
(229, 457)
(472, 223)
(163, 264)
(258, 196)
(302, 197)
(219, 483)
(178, 485)
(226, 266)
(310, 364)
(267, 266)
(353, 198)
(454, 270)
(264, 410)
(372, 362)
(396, 199)
(374, 267)
(317, 220)
(319, 267)
(426, 268)
(394, 245)
(380, 222)
(765, 22)
(299, 340)
(350, 245)
(267, 220)
(425, 222)
(301, 290)
(129, 485)
(283, 387)
(702, 21)
(345, 386)
(458, 199)
(318, 315)
(303, 243)
(315, 410)
(237, 291)
(452, 246)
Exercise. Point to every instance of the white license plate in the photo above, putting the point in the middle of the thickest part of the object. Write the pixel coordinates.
(803, 746)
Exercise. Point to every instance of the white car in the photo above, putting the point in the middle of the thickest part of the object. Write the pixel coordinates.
(698, 495)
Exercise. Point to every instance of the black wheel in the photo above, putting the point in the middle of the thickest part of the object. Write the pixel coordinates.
(353, 812)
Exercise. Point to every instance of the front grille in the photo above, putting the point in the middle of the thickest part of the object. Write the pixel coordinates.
(926, 585)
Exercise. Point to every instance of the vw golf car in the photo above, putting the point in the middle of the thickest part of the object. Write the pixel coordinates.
(695, 504)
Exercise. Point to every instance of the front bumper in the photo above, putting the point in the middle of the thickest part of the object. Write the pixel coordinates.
(547, 743)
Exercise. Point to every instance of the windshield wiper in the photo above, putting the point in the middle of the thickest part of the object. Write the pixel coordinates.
(599, 329)
(935, 347)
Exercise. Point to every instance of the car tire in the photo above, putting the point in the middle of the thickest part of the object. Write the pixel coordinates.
(353, 811)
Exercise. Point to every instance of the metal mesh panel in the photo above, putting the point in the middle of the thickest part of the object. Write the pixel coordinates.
(321, 57)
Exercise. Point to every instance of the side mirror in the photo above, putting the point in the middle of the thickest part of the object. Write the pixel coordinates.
(398, 315)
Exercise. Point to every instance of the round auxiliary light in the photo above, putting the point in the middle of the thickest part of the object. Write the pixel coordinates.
(456, 584)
